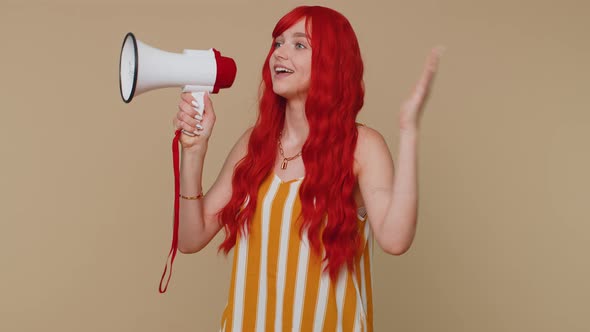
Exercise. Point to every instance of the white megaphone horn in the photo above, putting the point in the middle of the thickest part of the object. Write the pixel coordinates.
(143, 68)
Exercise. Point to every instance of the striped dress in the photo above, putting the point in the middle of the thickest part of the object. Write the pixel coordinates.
(277, 283)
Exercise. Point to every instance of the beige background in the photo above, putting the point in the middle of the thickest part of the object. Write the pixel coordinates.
(87, 183)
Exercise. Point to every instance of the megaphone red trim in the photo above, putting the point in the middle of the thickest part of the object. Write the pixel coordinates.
(226, 72)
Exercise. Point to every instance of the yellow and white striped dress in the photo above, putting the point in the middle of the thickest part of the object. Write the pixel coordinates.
(277, 283)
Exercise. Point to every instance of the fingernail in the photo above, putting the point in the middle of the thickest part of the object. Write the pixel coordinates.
(195, 104)
(199, 127)
(198, 117)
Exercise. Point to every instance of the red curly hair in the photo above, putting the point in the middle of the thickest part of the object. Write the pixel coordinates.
(334, 98)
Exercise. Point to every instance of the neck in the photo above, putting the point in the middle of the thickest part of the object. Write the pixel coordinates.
(296, 128)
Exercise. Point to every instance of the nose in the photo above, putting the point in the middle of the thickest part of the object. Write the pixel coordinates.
(280, 53)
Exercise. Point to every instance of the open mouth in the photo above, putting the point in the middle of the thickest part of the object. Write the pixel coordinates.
(282, 71)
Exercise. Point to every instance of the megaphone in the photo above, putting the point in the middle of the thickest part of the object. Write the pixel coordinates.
(143, 68)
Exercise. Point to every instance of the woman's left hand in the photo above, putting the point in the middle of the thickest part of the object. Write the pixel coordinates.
(411, 110)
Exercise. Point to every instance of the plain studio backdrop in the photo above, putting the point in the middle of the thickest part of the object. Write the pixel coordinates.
(87, 183)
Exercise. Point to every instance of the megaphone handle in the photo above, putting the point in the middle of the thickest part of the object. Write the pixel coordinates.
(200, 100)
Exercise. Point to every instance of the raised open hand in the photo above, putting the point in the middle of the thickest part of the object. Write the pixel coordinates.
(411, 109)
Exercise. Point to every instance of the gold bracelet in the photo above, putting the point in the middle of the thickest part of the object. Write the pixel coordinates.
(199, 196)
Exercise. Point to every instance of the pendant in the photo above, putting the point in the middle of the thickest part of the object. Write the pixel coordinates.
(284, 164)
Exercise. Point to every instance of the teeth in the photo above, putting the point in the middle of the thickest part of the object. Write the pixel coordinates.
(283, 70)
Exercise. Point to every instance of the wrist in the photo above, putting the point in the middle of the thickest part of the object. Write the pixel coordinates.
(410, 132)
(196, 150)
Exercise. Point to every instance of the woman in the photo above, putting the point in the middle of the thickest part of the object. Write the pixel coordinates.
(304, 191)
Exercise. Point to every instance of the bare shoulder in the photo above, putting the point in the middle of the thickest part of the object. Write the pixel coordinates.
(243, 140)
(368, 137)
(369, 141)
(221, 190)
(237, 153)
(369, 146)
(241, 146)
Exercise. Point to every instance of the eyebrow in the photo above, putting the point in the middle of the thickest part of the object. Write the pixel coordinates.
(296, 34)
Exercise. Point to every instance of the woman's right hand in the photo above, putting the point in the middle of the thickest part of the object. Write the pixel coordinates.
(190, 120)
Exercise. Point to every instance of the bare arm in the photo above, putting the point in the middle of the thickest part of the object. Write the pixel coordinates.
(392, 201)
(198, 218)
(198, 222)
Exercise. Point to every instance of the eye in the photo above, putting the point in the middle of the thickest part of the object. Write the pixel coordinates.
(299, 45)
(277, 44)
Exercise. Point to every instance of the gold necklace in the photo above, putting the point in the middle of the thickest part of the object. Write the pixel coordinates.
(286, 160)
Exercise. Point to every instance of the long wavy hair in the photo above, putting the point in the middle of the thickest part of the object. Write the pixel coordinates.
(334, 98)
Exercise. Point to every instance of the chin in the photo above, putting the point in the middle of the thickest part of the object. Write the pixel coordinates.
(286, 95)
(285, 92)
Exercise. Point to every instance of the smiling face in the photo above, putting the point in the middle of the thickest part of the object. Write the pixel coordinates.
(290, 62)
